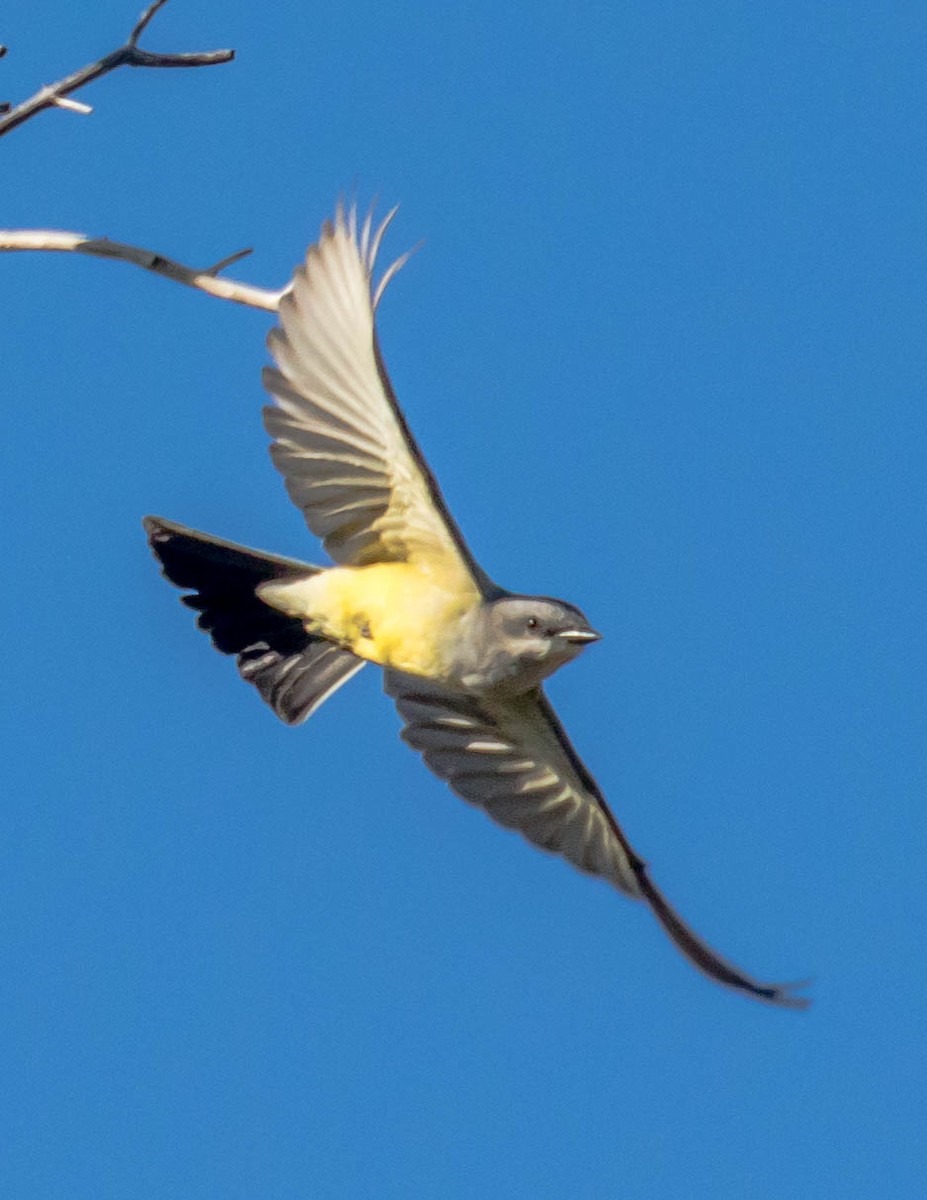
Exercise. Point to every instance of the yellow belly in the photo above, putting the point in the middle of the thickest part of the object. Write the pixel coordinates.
(394, 614)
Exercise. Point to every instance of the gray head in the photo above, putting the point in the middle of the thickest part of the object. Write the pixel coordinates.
(526, 638)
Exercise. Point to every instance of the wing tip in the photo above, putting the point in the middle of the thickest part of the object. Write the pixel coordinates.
(783, 995)
(364, 237)
(709, 961)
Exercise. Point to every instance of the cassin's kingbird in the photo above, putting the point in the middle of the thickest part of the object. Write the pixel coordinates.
(463, 659)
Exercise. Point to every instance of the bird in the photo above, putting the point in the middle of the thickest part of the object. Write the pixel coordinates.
(463, 659)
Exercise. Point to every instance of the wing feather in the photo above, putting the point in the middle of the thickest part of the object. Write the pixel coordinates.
(338, 435)
(513, 759)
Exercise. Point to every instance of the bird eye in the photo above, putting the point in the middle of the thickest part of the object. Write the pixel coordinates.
(532, 622)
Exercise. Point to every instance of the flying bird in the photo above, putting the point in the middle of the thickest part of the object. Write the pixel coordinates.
(463, 659)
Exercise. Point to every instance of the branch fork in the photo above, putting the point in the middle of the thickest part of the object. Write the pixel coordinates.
(205, 279)
(54, 95)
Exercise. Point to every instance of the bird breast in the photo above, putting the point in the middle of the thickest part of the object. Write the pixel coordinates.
(394, 614)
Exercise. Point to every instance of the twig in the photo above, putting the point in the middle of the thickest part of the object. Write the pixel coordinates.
(128, 55)
(71, 105)
(205, 280)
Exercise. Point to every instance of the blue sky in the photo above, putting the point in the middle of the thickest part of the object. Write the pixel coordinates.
(664, 347)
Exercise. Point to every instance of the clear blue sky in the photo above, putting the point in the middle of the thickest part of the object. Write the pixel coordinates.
(664, 346)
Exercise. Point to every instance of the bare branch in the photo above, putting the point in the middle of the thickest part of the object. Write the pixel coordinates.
(227, 262)
(206, 280)
(128, 55)
(144, 20)
(72, 105)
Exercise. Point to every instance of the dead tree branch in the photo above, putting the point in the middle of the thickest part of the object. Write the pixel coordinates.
(205, 279)
(130, 55)
(57, 95)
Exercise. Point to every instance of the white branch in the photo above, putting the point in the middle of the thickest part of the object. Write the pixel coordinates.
(71, 105)
(205, 280)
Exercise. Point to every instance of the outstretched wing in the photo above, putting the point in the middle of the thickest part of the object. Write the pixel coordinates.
(513, 759)
(339, 437)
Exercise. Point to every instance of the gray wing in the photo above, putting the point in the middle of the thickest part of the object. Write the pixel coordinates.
(513, 759)
(339, 437)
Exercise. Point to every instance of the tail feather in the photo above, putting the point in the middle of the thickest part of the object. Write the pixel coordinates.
(293, 671)
(295, 685)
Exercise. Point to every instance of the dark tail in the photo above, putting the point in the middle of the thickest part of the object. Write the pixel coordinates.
(293, 671)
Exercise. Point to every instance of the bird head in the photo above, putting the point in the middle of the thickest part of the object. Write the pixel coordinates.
(539, 634)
